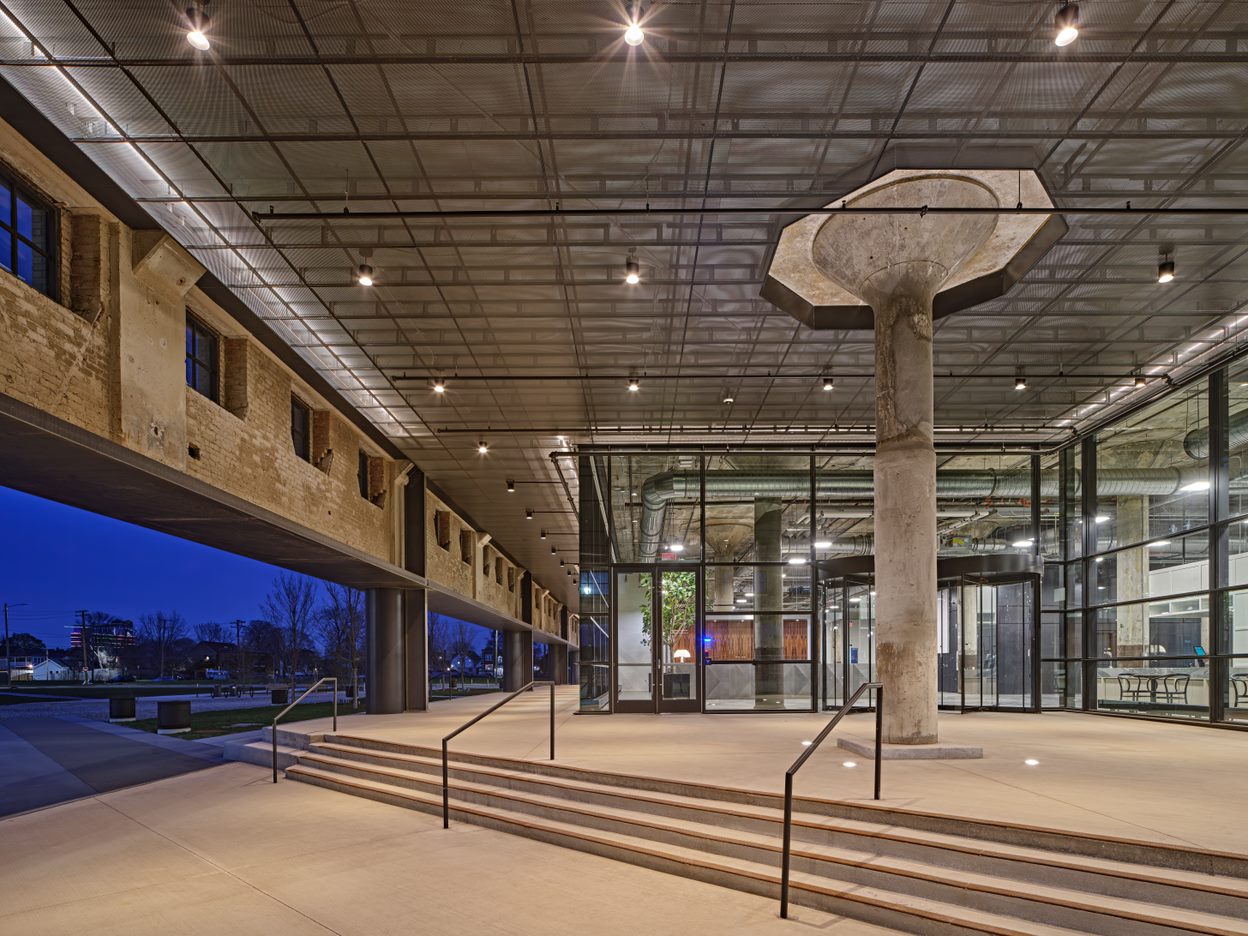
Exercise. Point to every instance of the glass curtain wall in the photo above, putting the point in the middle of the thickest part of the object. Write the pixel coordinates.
(1142, 526)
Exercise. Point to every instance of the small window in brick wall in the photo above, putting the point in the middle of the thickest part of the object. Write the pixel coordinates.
(27, 237)
(301, 428)
(442, 527)
(465, 545)
(202, 359)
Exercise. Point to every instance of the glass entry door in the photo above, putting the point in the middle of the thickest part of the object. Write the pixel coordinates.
(986, 643)
(847, 612)
(657, 626)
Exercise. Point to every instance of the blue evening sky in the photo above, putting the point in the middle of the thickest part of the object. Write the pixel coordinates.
(58, 559)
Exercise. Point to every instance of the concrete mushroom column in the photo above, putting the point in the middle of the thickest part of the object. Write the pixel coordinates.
(894, 270)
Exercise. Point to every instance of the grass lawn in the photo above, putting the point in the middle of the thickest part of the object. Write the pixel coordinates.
(231, 721)
(6, 699)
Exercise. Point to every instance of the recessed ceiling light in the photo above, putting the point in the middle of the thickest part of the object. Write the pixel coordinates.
(482, 448)
(439, 386)
(849, 763)
(1031, 762)
(1067, 24)
(807, 743)
(634, 35)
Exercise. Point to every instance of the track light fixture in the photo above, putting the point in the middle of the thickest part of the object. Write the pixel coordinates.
(543, 536)
(439, 386)
(364, 274)
(198, 21)
(1067, 24)
(1139, 381)
(528, 514)
(633, 384)
(827, 384)
(511, 486)
(554, 551)
(634, 35)
(728, 398)
(482, 447)
(1020, 382)
(1165, 269)
(632, 271)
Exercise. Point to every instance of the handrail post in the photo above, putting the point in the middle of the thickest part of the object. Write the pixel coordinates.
(273, 733)
(446, 787)
(335, 705)
(788, 826)
(879, 734)
(552, 719)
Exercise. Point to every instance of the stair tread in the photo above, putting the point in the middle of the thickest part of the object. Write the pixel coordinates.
(1233, 887)
(973, 920)
(912, 868)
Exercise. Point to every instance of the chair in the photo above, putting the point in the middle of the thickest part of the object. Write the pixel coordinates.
(1239, 691)
(1132, 687)
(1173, 688)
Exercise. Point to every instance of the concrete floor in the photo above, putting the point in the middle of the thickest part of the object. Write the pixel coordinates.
(1113, 776)
(226, 851)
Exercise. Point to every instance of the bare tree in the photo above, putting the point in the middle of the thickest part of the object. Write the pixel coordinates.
(212, 632)
(462, 646)
(342, 627)
(439, 642)
(290, 606)
(161, 630)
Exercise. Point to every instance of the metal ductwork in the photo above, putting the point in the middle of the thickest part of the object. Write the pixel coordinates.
(659, 490)
(1196, 442)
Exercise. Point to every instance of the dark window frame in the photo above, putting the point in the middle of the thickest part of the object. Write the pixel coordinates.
(196, 331)
(301, 436)
(47, 250)
(361, 474)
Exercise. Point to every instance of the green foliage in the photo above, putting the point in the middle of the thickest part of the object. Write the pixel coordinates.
(680, 606)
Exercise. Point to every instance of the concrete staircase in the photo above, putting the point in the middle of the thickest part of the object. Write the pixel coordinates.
(910, 871)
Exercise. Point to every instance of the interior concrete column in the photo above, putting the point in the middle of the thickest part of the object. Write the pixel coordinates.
(517, 659)
(968, 652)
(385, 664)
(1131, 568)
(905, 512)
(769, 595)
(723, 598)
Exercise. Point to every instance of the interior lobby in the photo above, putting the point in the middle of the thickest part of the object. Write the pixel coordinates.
(835, 413)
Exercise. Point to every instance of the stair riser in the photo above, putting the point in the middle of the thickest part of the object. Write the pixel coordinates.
(1108, 885)
(881, 916)
(540, 786)
(1015, 906)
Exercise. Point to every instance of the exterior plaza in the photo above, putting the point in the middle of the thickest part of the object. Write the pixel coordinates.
(835, 413)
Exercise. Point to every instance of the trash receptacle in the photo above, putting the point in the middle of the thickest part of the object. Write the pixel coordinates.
(173, 716)
(121, 708)
(279, 696)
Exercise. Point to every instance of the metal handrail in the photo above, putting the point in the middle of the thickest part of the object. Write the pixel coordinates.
(307, 692)
(446, 776)
(797, 764)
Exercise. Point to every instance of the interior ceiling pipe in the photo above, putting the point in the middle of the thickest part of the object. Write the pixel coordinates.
(661, 489)
(1196, 442)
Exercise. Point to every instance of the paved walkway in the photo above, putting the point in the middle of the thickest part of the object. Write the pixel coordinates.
(226, 851)
(46, 760)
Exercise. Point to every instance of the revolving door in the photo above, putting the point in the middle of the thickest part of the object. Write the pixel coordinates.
(987, 657)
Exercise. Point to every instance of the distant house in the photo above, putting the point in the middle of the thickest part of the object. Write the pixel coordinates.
(26, 669)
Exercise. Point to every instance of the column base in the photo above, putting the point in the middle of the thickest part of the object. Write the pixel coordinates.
(866, 748)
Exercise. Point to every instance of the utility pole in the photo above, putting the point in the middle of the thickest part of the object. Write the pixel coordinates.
(82, 631)
(8, 659)
(238, 650)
